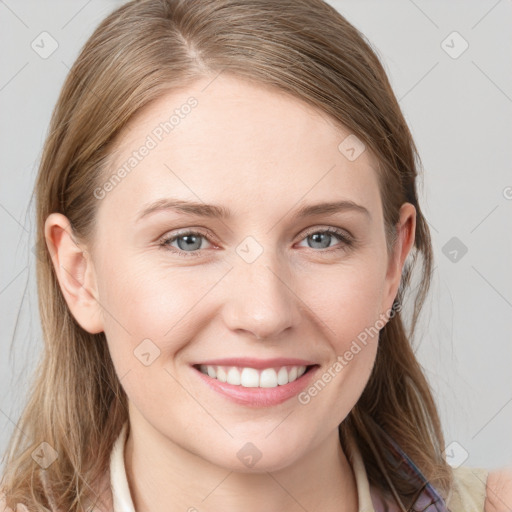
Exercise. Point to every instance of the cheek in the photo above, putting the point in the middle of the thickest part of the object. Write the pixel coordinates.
(151, 313)
(346, 312)
(146, 298)
(347, 298)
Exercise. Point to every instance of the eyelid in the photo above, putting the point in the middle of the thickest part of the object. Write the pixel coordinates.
(346, 238)
(165, 241)
(182, 232)
(330, 229)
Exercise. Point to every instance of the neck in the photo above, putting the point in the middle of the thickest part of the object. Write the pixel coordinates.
(163, 476)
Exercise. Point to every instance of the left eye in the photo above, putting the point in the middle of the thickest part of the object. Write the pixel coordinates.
(320, 236)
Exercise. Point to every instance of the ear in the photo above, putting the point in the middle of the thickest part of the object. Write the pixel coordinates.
(404, 241)
(75, 272)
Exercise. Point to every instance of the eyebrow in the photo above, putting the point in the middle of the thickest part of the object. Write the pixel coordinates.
(218, 211)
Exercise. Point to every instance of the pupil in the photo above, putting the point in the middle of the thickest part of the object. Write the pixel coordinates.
(316, 237)
(189, 241)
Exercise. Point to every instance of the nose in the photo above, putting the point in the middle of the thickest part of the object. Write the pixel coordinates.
(261, 300)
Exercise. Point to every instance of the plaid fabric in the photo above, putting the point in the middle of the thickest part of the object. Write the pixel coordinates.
(428, 499)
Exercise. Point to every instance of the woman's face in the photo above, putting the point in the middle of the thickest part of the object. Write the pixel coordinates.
(261, 282)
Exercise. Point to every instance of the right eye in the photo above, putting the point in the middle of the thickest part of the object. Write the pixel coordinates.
(192, 241)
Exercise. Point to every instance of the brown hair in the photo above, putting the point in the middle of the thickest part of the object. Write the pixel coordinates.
(142, 50)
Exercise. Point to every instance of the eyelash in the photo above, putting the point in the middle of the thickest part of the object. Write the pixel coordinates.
(348, 241)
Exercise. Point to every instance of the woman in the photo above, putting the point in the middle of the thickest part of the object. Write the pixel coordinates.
(280, 374)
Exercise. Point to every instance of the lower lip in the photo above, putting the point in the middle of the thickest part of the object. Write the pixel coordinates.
(259, 397)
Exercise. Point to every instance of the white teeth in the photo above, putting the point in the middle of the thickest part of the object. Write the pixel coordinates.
(252, 378)
(282, 376)
(233, 377)
(268, 378)
(221, 374)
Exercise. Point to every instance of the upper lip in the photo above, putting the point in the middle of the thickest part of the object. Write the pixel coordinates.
(250, 362)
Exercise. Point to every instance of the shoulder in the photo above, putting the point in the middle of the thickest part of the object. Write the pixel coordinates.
(481, 490)
(499, 491)
(468, 492)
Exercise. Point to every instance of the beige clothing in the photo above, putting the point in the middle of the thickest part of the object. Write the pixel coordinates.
(468, 494)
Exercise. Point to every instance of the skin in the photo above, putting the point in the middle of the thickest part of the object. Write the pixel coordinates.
(262, 154)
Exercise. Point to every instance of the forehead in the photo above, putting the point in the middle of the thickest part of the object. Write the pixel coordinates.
(235, 142)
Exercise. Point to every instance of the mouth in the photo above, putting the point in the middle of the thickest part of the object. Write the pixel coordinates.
(256, 388)
(249, 377)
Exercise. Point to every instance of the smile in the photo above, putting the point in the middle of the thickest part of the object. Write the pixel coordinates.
(256, 387)
(253, 378)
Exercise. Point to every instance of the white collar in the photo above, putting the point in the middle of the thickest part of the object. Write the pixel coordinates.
(121, 496)
(122, 500)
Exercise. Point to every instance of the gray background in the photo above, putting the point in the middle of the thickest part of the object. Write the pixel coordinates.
(459, 108)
